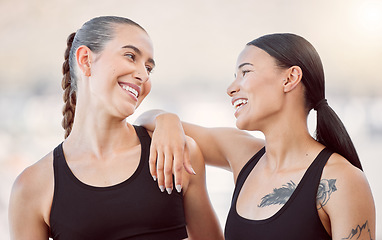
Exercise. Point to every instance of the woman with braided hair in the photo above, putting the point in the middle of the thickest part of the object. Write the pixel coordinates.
(290, 186)
(96, 184)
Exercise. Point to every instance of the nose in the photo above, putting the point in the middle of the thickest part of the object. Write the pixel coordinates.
(141, 74)
(233, 88)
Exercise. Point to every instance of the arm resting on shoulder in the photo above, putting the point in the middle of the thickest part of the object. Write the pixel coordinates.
(227, 148)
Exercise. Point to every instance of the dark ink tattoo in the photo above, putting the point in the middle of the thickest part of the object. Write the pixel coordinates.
(325, 189)
(360, 232)
(279, 195)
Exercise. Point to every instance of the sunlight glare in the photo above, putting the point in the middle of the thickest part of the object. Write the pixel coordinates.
(370, 15)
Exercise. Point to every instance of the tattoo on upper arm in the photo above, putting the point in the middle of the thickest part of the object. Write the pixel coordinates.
(325, 189)
(279, 195)
(360, 232)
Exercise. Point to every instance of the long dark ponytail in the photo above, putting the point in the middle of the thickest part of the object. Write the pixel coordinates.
(292, 50)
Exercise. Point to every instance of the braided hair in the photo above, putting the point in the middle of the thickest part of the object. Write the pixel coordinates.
(94, 34)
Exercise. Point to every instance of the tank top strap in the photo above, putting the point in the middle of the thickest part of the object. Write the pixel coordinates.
(317, 168)
(142, 133)
(323, 157)
(245, 171)
(58, 159)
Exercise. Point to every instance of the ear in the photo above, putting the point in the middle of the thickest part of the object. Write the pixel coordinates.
(83, 57)
(293, 78)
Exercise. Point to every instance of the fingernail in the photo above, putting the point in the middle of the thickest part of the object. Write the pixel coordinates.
(161, 188)
(169, 190)
(155, 178)
(193, 171)
(178, 188)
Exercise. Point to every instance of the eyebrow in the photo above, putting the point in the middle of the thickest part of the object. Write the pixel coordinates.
(139, 52)
(244, 64)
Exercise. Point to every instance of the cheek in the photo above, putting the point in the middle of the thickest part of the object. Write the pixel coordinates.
(145, 90)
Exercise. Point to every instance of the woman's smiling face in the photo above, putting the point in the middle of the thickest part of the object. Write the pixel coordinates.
(120, 73)
(257, 89)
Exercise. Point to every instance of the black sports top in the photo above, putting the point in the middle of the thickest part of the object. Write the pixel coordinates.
(297, 219)
(134, 209)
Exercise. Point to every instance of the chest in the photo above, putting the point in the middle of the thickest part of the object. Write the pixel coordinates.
(106, 171)
(282, 206)
(263, 195)
(132, 207)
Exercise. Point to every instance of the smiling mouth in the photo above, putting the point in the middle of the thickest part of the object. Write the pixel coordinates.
(239, 103)
(131, 90)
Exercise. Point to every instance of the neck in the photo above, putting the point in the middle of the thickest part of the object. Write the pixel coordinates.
(289, 143)
(99, 133)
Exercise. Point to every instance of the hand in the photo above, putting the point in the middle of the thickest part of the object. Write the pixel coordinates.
(169, 152)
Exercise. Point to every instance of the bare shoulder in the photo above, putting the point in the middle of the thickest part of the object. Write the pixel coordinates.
(34, 182)
(30, 201)
(197, 162)
(348, 181)
(196, 157)
(340, 168)
(36, 172)
(347, 199)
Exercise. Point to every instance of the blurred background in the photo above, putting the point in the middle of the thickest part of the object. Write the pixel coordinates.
(196, 44)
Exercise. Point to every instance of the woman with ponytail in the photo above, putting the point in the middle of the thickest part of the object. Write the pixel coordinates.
(290, 185)
(96, 184)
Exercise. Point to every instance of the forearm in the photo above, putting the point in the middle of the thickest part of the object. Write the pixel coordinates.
(150, 118)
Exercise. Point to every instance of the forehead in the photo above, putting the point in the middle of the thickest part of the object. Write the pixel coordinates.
(126, 34)
(254, 56)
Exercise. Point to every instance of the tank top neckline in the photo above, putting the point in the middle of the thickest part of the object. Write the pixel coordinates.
(82, 184)
(255, 159)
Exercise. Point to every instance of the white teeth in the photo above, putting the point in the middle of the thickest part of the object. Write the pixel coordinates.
(130, 89)
(240, 102)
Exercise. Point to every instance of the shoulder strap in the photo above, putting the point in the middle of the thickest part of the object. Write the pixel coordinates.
(323, 158)
(145, 140)
(319, 165)
(57, 157)
(141, 132)
(245, 171)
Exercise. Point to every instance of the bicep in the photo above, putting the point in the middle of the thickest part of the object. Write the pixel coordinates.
(351, 208)
(202, 222)
(222, 146)
(25, 218)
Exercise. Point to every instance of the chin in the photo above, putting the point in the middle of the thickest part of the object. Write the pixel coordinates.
(245, 125)
(241, 125)
(128, 112)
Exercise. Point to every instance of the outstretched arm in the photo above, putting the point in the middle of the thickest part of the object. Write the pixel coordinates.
(228, 148)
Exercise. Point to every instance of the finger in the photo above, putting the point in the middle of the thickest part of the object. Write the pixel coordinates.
(168, 171)
(178, 170)
(152, 162)
(187, 162)
(160, 175)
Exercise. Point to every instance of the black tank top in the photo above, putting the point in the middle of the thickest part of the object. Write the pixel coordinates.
(297, 219)
(134, 209)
